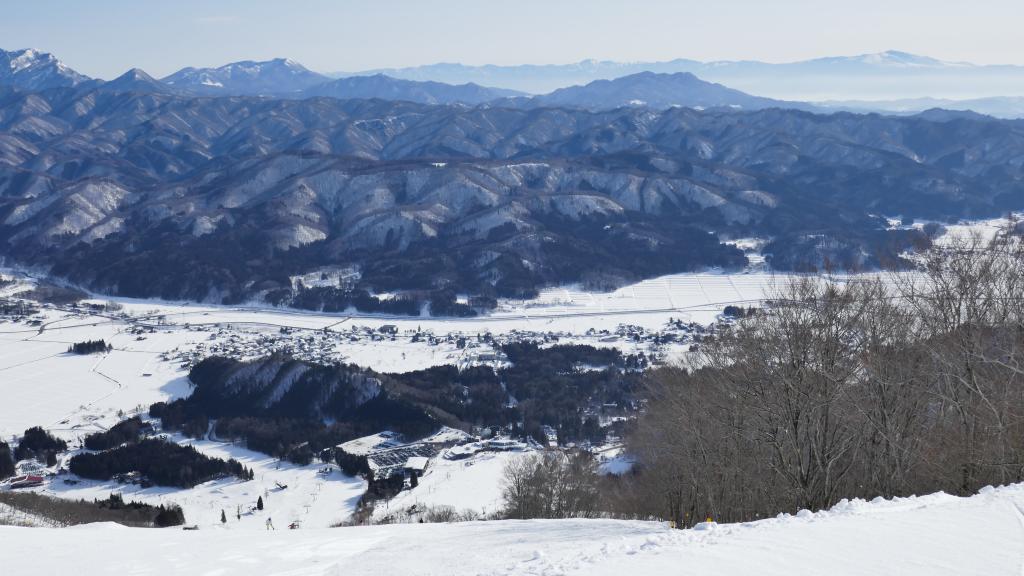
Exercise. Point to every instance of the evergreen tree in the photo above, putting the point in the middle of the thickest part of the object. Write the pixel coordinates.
(169, 516)
(223, 517)
(259, 503)
(38, 443)
(6, 461)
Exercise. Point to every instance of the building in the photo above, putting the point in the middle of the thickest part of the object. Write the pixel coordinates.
(416, 465)
(26, 481)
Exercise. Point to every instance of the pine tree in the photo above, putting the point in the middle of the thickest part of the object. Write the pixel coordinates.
(223, 517)
(169, 516)
(6, 461)
(259, 503)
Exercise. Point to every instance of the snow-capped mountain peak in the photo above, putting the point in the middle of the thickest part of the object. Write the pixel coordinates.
(898, 59)
(280, 76)
(32, 69)
(23, 59)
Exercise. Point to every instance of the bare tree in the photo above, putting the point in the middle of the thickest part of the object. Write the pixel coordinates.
(551, 484)
(886, 385)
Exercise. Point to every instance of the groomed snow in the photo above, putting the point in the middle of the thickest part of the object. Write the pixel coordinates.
(928, 536)
(473, 484)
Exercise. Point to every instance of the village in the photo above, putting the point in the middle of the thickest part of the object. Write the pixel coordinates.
(153, 345)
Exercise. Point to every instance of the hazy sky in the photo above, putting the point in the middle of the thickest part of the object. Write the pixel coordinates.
(104, 38)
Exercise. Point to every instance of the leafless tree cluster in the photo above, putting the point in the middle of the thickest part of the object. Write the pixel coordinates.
(63, 512)
(911, 383)
(440, 514)
(551, 484)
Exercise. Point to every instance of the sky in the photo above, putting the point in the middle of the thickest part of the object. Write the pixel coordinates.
(104, 38)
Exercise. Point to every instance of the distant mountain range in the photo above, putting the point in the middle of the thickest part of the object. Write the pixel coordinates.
(284, 78)
(883, 76)
(653, 85)
(998, 106)
(33, 70)
(427, 92)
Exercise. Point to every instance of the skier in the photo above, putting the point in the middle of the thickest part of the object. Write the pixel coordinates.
(270, 524)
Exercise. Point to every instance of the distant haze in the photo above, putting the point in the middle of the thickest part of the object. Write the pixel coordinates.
(880, 76)
(103, 38)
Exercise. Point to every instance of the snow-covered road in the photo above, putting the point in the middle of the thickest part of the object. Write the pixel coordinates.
(931, 535)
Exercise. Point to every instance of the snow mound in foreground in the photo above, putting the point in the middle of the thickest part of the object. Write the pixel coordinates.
(929, 535)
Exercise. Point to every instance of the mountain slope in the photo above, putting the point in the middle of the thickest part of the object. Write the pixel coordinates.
(934, 535)
(386, 88)
(224, 198)
(278, 77)
(34, 70)
(657, 91)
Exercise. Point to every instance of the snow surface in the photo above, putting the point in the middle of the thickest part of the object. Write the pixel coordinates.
(923, 536)
(74, 395)
(366, 444)
(472, 484)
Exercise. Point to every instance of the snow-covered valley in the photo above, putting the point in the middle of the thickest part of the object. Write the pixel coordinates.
(153, 344)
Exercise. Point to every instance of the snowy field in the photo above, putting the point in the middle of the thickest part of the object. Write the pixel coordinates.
(927, 536)
(694, 297)
(75, 395)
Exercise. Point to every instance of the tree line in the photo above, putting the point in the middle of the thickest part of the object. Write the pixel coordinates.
(39, 444)
(159, 462)
(90, 347)
(124, 432)
(6, 461)
(67, 512)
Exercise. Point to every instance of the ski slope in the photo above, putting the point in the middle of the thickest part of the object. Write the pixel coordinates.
(933, 535)
(290, 492)
(472, 485)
